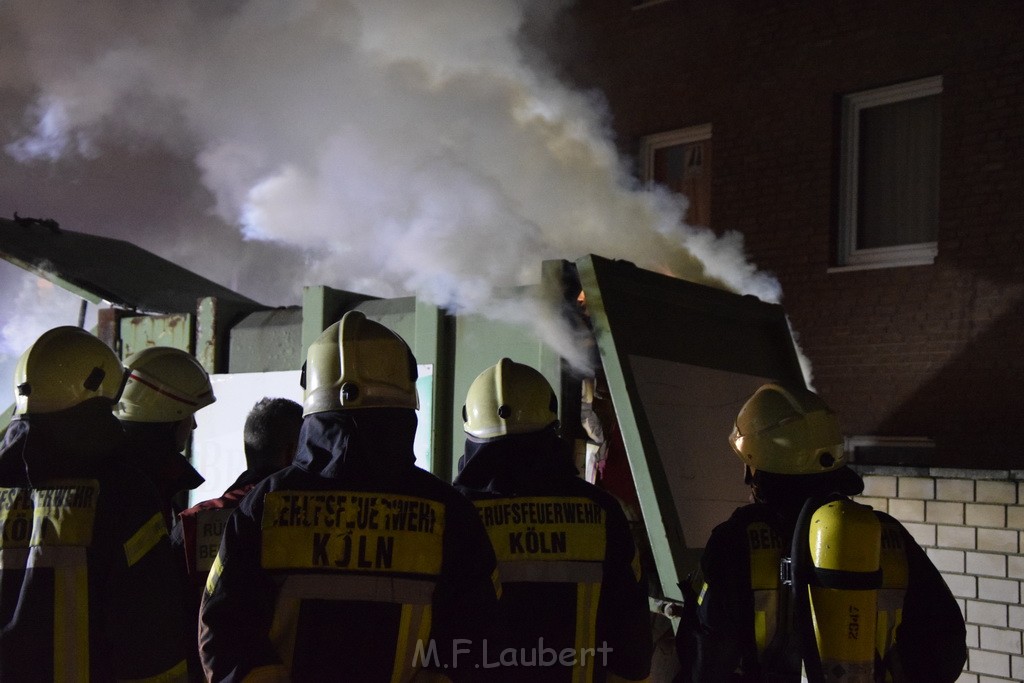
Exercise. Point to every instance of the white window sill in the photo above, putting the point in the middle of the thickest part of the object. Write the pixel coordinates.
(889, 257)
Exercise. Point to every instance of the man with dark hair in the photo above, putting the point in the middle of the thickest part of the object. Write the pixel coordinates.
(804, 578)
(271, 436)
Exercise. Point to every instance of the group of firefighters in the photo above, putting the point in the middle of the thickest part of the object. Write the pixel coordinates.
(335, 558)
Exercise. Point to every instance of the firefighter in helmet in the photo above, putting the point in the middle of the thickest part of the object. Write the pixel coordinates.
(165, 388)
(352, 560)
(570, 571)
(805, 579)
(89, 586)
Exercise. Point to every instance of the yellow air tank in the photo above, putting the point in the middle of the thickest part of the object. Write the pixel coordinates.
(845, 546)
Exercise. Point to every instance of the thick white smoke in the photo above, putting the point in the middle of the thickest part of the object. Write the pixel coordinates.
(400, 146)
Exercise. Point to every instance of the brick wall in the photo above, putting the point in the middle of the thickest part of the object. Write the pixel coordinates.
(930, 351)
(971, 524)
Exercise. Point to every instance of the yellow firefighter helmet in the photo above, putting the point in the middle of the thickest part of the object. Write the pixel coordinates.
(359, 363)
(64, 367)
(164, 385)
(787, 430)
(509, 398)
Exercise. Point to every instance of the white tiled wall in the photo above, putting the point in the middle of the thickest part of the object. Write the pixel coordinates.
(973, 530)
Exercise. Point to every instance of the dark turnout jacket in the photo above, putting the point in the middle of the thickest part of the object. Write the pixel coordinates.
(351, 564)
(740, 629)
(87, 586)
(570, 572)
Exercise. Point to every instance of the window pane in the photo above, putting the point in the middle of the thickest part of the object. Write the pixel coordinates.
(686, 168)
(898, 202)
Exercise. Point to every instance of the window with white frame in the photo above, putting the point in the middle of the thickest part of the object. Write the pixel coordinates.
(889, 175)
(681, 161)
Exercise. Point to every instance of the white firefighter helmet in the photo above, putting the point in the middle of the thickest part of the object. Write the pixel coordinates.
(64, 367)
(509, 398)
(359, 363)
(164, 385)
(787, 430)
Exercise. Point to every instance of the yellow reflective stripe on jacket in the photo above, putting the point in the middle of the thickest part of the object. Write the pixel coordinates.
(145, 539)
(413, 632)
(71, 617)
(352, 531)
(765, 549)
(588, 596)
(176, 674)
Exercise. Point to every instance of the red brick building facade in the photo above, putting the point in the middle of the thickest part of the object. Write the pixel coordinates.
(929, 354)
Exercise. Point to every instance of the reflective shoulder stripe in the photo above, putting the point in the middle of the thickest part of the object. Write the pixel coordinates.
(361, 531)
(145, 539)
(214, 575)
(545, 528)
(176, 674)
(548, 571)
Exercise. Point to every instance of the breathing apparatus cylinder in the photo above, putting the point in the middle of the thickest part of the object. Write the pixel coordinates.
(844, 540)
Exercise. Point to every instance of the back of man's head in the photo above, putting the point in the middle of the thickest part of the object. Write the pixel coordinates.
(272, 433)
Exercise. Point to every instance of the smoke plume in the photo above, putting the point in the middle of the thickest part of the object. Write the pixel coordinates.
(380, 146)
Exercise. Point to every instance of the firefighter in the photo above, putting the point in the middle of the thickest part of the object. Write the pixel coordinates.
(270, 437)
(166, 387)
(756, 608)
(89, 591)
(352, 563)
(570, 571)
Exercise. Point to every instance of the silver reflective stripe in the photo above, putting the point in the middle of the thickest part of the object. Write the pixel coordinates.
(42, 556)
(371, 588)
(13, 558)
(551, 571)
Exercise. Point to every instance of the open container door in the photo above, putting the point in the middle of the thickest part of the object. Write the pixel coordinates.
(680, 359)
